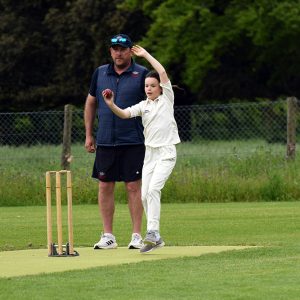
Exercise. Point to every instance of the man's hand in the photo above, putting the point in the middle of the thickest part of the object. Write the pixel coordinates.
(90, 144)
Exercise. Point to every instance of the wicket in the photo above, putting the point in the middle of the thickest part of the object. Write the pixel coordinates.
(59, 249)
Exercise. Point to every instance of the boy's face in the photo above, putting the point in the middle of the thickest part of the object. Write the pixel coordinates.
(121, 56)
(152, 88)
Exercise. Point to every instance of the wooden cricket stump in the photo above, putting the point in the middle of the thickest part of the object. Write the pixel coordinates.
(59, 249)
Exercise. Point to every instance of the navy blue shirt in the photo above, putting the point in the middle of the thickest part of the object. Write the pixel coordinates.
(128, 89)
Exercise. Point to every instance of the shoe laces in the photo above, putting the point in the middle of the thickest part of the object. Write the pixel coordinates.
(151, 234)
(107, 236)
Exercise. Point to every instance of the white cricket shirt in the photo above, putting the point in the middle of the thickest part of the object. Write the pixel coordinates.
(160, 128)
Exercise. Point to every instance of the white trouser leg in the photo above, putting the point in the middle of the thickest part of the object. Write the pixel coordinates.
(148, 167)
(158, 165)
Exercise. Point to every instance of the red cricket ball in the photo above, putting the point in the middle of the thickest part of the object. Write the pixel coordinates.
(107, 93)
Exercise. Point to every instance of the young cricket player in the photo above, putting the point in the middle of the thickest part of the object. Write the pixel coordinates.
(161, 136)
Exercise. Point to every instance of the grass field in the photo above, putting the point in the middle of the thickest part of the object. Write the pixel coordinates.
(242, 175)
(271, 271)
(241, 171)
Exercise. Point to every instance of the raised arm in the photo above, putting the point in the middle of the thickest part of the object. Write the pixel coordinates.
(141, 52)
(108, 97)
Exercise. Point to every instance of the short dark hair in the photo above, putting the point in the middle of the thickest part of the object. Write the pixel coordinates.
(153, 74)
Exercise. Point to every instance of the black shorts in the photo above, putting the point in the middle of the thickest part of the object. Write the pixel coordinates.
(119, 163)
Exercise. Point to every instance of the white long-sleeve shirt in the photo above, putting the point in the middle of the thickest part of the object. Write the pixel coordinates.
(160, 128)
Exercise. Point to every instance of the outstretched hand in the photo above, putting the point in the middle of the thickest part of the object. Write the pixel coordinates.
(139, 51)
(158, 67)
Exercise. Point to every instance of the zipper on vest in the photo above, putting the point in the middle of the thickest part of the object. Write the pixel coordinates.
(114, 116)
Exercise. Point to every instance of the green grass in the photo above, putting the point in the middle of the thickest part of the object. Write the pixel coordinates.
(205, 224)
(268, 272)
(251, 172)
(205, 172)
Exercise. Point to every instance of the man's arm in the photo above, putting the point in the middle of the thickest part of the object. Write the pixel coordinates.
(89, 118)
(140, 51)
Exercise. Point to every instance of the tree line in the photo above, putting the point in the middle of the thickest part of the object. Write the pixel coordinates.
(217, 51)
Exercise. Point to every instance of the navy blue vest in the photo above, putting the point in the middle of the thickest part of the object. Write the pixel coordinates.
(128, 89)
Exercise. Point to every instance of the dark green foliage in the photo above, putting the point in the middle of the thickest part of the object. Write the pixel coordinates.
(217, 50)
(49, 50)
(227, 49)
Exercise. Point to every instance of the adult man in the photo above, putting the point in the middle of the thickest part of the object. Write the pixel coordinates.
(119, 143)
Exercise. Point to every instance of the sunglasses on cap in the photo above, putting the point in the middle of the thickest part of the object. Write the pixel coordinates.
(117, 40)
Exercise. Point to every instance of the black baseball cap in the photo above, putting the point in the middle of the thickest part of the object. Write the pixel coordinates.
(122, 40)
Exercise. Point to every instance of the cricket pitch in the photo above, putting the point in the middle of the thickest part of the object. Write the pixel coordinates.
(32, 262)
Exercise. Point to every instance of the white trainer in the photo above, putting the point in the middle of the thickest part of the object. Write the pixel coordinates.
(136, 241)
(107, 241)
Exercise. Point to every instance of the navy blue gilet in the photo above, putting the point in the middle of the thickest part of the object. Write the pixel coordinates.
(128, 89)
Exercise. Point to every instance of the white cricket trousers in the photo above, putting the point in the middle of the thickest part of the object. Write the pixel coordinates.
(158, 165)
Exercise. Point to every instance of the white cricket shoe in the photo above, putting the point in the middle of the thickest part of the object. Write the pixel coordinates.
(107, 241)
(136, 241)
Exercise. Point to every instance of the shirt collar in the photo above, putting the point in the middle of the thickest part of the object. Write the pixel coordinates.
(157, 99)
(111, 69)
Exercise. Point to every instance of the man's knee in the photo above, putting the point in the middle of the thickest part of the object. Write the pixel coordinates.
(133, 187)
(106, 187)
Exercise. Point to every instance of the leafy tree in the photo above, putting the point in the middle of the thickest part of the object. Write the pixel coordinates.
(24, 63)
(219, 50)
(227, 49)
(49, 49)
